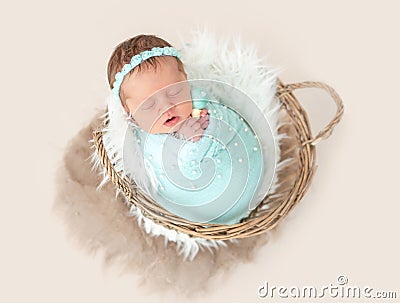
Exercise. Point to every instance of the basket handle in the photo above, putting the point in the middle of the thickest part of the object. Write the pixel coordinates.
(327, 130)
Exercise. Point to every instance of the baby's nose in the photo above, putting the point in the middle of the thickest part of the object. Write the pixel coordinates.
(165, 105)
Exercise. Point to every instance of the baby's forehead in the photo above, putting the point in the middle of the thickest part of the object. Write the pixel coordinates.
(141, 85)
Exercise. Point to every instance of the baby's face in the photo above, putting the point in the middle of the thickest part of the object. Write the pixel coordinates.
(158, 99)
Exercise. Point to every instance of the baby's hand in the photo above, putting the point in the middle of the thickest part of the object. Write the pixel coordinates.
(194, 127)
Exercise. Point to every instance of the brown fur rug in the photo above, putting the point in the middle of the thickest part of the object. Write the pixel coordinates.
(98, 223)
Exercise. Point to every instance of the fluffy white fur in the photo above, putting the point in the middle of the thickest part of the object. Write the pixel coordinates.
(205, 57)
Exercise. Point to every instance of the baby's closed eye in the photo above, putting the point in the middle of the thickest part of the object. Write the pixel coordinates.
(174, 92)
(148, 104)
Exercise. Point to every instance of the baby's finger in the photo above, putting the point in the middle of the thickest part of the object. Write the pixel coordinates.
(197, 136)
(195, 139)
(196, 126)
(205, 124)
(204, 118)
(189, 122)
(203, 112)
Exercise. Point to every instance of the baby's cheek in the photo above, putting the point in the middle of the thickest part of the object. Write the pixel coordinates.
(146, 122)
(185, 109)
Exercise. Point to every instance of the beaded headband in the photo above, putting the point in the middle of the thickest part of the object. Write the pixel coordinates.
(137, 59)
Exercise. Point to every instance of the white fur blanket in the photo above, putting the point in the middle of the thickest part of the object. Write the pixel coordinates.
(205, 57)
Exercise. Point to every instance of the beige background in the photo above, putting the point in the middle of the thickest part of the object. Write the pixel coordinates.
(53, 59)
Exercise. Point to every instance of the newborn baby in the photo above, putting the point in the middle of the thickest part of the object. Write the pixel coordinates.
(203, 159)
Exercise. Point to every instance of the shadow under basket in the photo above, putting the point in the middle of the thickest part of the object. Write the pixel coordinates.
(298, 153)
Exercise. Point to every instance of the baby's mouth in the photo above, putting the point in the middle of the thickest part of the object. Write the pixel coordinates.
(172, 121)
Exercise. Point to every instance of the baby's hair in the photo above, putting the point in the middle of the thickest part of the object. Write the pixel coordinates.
(133, 46)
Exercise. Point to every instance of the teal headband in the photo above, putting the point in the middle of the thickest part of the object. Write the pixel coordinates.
(137, 59)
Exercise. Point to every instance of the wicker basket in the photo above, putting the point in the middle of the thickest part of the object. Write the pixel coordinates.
(300, 149)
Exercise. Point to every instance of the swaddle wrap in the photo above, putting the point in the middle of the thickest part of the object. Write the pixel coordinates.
(212, 180)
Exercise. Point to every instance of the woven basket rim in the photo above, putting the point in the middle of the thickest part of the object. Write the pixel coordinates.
(252, 225)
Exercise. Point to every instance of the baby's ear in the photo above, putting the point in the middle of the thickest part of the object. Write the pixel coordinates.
(126, 108)
(134, 122)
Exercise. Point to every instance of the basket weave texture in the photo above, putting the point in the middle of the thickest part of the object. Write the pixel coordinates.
(298, 150)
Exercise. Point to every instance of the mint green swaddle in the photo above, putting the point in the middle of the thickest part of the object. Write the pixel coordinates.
(212, 180)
